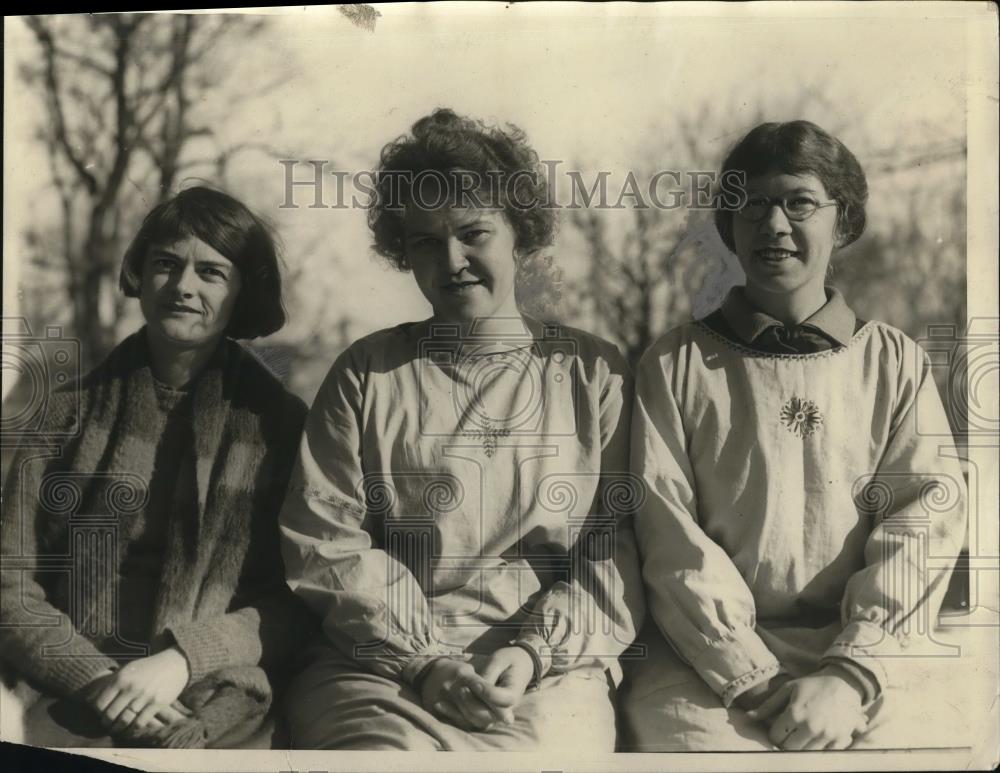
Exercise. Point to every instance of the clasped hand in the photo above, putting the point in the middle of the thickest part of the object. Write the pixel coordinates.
(141, 695)
(819, 711)
(475, 696)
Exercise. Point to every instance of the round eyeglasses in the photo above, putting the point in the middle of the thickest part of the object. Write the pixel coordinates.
(796, 207)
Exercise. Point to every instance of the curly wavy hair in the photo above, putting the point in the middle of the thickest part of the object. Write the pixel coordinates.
(444, 147)
(801, 147)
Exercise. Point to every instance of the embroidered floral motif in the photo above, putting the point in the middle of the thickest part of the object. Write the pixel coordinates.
(488, 434)
(802, 417)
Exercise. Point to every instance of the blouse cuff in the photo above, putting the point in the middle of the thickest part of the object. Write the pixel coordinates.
(859, 676)
(735, 663)
(540, 652)
(865, 644)
(415, 666)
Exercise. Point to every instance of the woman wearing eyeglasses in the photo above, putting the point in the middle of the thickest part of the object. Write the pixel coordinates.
(800, 527)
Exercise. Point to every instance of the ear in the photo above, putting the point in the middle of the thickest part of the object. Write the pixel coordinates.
(841, 237)
(403, 263)
(724, 227)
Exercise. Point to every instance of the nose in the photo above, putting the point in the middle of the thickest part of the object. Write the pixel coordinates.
(456, 257)
(775, 222)
(186, 279)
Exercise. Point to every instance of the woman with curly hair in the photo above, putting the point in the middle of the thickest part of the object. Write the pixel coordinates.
(805, 505)
(459, 517)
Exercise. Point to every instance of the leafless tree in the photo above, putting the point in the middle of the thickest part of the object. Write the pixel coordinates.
(647, 262)
(121, 112)
(645, 256)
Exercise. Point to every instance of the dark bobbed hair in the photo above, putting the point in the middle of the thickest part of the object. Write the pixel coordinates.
(801, 147)
(232, 230)
(444, 142)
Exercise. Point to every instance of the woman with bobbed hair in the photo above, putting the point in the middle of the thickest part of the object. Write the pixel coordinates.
(228, 227)
(793, 498)
(460, 515)
(183, 442)
(798, 148)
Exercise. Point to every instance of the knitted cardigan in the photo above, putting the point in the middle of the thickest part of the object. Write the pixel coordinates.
(223, 600)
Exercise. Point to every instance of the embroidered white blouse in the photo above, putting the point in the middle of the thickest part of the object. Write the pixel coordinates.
(451, 496)
(787, 491)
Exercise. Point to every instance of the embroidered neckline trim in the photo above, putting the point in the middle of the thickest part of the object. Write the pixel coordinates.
(863, 332)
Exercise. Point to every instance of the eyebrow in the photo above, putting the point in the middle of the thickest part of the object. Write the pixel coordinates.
(479, 221)
(800, 189)
(476, 221)
(164, 252)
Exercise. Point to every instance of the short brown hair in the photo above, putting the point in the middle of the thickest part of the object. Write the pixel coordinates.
(232, 230)
(799, 147)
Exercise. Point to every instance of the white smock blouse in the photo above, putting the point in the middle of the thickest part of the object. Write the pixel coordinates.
(452, 495)
(801, 509)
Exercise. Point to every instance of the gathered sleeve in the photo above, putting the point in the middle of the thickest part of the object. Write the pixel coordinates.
(591, 617)
(696, 594)
(916, 501)
(370, 604)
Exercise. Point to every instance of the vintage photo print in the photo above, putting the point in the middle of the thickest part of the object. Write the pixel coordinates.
(566, 386)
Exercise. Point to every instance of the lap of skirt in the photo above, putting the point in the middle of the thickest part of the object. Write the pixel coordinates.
(685, 718)
(666, 707)
(333, 704)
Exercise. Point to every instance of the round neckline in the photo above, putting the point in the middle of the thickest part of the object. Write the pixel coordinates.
(468, 351)
(160, 386)
(743, 348)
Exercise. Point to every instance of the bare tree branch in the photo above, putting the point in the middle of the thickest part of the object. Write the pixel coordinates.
(119, 92)
(84, 61)
(54, 95)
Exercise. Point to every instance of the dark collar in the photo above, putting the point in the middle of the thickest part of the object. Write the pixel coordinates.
(835, 320)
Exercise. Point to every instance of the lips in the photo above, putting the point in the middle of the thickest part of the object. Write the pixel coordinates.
(463, 286)
(774, 254)
(180, 308)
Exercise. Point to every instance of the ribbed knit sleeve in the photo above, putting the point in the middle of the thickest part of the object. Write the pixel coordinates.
(38, 639)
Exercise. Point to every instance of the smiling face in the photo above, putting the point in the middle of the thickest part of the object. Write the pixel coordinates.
(783, 258)
(188, 293)
(463, 261)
